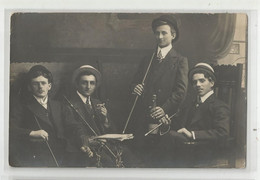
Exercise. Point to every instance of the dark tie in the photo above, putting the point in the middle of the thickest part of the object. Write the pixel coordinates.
(198, 103)
(88, 101)
(89, 106)
(159, 56)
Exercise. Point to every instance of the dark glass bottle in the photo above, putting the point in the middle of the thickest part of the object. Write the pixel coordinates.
(153, 122)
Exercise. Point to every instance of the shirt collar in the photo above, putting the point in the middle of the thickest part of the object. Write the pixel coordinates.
(206, 96)
(84, 98)
(164, 50)
(42, 101)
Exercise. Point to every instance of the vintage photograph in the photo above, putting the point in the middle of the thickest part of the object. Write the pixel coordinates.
(128, 90)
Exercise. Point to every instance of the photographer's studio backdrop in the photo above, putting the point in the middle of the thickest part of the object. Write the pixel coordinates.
(115, 43)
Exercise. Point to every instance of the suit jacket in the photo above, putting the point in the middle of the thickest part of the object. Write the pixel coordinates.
(168, 80)
(210, 120)
(78, 128)
(30, 151)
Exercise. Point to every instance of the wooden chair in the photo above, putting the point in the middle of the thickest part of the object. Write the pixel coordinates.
(228, 88)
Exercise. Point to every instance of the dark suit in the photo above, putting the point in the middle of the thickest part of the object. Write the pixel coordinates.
(28, 151)
(99, 124)
(78, 128)
(168, 80)
(210, 122)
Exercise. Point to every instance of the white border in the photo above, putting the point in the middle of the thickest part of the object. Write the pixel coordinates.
(245, 6)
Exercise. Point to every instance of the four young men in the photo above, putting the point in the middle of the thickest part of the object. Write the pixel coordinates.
(44, 132)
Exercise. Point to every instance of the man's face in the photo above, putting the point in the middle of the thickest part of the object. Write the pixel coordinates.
(87, 85)
(40, 86)
(201, 84)
(164, 36)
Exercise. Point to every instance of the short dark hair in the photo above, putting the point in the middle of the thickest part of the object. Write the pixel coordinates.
(206, 75)
(39, 70)
(83, 73)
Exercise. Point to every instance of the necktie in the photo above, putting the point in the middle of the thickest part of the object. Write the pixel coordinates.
(159, 56)
(198, 101)
(88, 100)
(88, 103)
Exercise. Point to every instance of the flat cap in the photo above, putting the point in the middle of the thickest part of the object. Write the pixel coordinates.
(166, 20)
(87, 68)
(39, 69)
(202, 67)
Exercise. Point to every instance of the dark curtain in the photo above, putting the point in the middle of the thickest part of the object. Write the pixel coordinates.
(206, 37)
(221, 38)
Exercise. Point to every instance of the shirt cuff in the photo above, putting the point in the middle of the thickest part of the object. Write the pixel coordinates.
(193, 135)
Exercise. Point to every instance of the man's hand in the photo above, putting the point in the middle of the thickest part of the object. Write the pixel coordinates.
(165, 120)
(185, 132)
(87, 150)
(157, 112)
(85, 145)
(102, 109)
(139, 88)
(39, 134)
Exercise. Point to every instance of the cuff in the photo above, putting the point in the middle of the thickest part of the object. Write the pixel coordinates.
(193, 135)
(106, 123)
(163, 131)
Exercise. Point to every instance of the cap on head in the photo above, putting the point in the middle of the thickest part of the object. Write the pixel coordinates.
(166, 20)
(202, 67)
(87, 69)
(39, 70)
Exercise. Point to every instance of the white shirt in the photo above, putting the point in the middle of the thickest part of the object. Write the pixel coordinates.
(206, 96)
(42, 101)
(84, 98)
(164, 50)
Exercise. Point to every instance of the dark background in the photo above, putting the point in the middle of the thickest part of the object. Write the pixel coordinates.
(115, 43)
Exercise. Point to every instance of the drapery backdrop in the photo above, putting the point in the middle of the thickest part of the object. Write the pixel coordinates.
(204, 37)
(221, 37)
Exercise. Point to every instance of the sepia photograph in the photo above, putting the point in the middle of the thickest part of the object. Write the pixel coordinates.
(128, 90)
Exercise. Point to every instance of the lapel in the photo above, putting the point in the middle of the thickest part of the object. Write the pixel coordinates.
(98, 116)
(199, 112)
(83, 111)
(38, 110)
(166, 65)
(94, 103)
(56, 113)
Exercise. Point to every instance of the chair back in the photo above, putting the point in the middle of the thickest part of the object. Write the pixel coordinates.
(228, 89)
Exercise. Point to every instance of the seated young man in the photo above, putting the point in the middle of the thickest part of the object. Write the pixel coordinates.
(36, 124)
(206, 118)
(92, 118)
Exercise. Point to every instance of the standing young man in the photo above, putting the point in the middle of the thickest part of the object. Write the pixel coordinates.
(165, 86)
